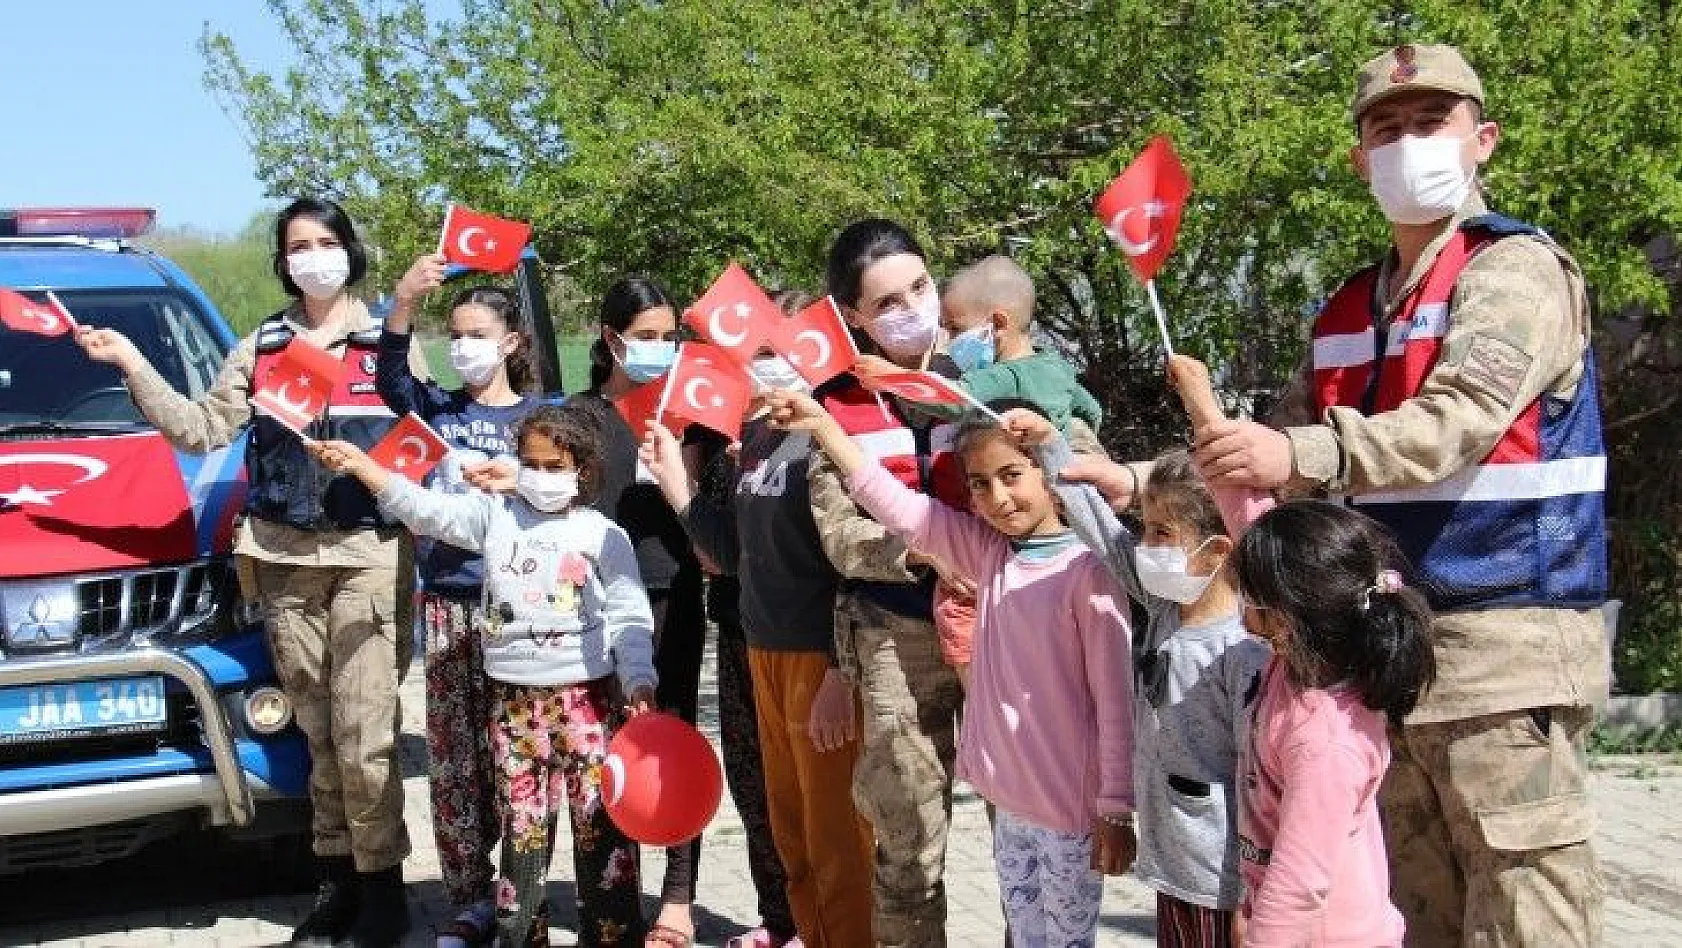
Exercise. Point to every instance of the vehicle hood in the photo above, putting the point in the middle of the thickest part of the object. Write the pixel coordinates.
(75, 505)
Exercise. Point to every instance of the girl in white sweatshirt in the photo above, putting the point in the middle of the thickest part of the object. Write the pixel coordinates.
(565, 615)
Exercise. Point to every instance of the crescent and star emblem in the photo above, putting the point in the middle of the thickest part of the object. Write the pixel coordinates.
(715, 325)
(420, 456)
(464, 242)
(819, 340)
(91, 468)
(1154, 211)
(691, 394)
(299, 410)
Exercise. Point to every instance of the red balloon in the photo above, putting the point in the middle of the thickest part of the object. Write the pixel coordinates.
(661, 780)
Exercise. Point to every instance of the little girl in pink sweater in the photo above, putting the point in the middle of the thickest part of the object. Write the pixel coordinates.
(1326, 588)
(1048, 725)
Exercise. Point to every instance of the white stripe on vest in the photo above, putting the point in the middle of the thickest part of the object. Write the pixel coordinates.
(1489, 482)
(1342, 350)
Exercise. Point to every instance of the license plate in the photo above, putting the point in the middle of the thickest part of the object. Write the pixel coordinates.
(30, 713)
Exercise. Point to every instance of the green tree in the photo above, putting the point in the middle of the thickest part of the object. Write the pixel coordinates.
(670, 137)
(235, 272)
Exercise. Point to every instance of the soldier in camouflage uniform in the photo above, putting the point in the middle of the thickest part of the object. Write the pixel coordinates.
(1451, 395)
(334, 579)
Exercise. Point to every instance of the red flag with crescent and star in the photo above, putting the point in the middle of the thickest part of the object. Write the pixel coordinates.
(925, 387)
(297, 386)
(410, 449)
(735, 315)
(640, 405)
(483, 241)
(1141, 209)
(704, 386)
(23, 314)
(816, 342)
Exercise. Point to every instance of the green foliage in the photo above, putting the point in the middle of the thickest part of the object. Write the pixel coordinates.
(1646, 558)
(1625, 741)
(235, 272)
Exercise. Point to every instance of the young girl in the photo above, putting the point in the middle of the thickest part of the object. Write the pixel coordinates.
(1195, 669)
(565, 614)
(489, 352)
(1327, 588)
(1047, 737)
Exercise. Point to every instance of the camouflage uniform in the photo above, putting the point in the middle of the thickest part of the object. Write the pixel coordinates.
(338, 609)
(902, 783)
(1486, 809)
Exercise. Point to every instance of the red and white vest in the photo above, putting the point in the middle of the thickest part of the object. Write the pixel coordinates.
(1527, 525)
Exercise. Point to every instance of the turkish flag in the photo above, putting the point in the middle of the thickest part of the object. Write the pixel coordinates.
(641, 405)
(704, 388)
(816, 342)
(925, 387)
(1141, 209)
(297, 386)
(23, 314)
(80, 504)
(483, 241)
(410, 449)
(735, 315)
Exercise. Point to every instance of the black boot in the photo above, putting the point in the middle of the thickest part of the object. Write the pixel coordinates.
(384, 918)
(337, 900)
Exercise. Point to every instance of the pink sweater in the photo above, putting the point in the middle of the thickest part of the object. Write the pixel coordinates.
(1048, 722)
(1308, 815)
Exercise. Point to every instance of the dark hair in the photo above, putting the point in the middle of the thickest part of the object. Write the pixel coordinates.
(521, 375)
(859, 245)
(1319, 563)
(791, 302)
(974, 426)
(621, 304)
(575, 430)
(330, 216)
(1175, 483)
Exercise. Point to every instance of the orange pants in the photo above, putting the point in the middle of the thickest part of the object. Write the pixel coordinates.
(825, 844)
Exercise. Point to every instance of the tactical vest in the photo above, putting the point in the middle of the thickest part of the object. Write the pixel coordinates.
(287, 484)
(1527, 525)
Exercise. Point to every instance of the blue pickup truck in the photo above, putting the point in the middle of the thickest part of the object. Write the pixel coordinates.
(137, 700)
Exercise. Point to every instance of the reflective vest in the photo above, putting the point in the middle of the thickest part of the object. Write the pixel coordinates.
(920, 457)
(1527, 525)
(287, 485)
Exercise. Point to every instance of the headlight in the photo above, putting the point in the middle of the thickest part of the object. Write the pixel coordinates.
(267, 710)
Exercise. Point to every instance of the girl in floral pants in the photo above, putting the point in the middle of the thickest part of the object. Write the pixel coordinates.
(548, 742)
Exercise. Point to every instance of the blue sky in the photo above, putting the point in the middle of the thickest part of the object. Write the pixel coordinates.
(116, 112)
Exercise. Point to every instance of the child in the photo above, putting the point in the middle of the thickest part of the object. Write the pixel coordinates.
(1327, 588)
(566, 613)
(489, 352)
(1195, 669)
(1048, 731)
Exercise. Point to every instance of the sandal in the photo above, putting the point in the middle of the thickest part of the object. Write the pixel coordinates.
(667, 936)
(760, 938)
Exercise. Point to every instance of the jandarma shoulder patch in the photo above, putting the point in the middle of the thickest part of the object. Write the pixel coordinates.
(1495, 364)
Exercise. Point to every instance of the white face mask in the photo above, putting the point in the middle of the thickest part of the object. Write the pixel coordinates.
(548, 491)
(319, 274)
(905, 332)
(1419, 180)
(475, 360)
(773, 372)
(1162, 572)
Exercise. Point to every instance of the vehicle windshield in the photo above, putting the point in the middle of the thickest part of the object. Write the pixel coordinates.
(48, 381)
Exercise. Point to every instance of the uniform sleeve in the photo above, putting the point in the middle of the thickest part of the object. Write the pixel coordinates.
(461, 520)
(928, 525)
(401, 389)
(203, 425)
(857, 546)
(1518, 329)
(1323, 785)
(625, 610)
(1105, 649)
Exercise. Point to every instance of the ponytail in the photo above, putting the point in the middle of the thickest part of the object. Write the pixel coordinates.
(1356, 617)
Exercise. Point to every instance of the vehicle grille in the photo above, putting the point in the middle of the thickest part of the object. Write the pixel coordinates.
(84, 846)
(145, 599)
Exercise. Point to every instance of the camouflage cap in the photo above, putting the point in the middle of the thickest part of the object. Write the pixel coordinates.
(1406, 68)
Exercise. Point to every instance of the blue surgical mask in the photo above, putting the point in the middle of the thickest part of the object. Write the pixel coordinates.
(647, 359)
(973, 349)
